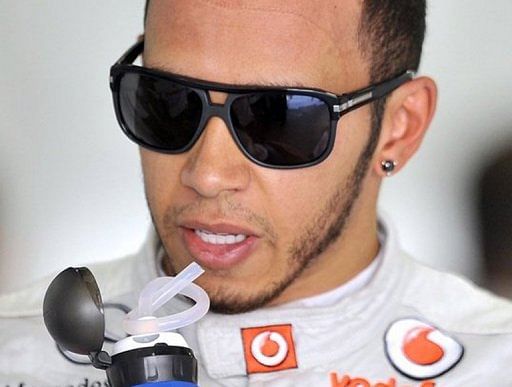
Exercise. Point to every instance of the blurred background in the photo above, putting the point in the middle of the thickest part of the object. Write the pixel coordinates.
(70, 183)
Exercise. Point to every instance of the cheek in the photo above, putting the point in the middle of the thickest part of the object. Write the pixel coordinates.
(160, 172)
(297, 198)
(352, 135)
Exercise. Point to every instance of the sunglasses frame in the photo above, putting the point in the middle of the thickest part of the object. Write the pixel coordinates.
(338, 105)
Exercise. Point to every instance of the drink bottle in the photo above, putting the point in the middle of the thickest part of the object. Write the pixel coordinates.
(153, 354)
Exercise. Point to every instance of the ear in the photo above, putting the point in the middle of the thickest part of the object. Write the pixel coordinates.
(409, 111)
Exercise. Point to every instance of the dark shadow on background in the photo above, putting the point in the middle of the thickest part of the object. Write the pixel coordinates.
(494, 199)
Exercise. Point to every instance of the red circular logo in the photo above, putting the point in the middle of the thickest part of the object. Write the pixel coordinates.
(421, 351)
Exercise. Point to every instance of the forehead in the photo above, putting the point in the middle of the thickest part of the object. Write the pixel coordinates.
(292, 42)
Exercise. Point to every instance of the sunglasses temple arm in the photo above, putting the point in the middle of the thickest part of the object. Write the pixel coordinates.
(352, 101)
(387, 87)
(132, 53)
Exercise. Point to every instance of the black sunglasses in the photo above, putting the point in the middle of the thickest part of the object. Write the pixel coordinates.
(276, 127)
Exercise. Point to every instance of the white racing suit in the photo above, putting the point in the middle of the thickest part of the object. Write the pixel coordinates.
(409, 326)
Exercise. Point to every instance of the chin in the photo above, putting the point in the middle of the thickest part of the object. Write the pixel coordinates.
(231, 296)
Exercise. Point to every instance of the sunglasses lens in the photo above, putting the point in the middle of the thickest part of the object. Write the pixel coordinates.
(282, 129)
(158, 113)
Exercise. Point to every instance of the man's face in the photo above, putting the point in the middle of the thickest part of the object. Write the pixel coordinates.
(263, 235)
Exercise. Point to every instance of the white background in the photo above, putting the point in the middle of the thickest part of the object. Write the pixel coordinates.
(70, 183)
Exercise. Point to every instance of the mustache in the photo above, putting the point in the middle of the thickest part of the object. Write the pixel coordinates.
(220, 209)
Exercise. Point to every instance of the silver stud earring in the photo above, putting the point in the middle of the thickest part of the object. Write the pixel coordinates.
(388, 166)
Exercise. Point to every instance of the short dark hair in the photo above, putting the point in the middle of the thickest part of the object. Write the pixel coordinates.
(391, 34)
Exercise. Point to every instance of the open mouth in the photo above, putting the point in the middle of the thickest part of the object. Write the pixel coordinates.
(220, 239)
(218, 247)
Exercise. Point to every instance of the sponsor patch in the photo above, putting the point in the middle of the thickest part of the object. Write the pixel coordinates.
(419, 350)
(269, 348)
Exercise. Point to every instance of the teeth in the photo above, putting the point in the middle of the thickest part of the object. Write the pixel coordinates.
(220, 239)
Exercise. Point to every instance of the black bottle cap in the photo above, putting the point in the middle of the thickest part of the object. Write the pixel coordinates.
(73, 311)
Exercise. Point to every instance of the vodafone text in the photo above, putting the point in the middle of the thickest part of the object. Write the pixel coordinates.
(347, 381)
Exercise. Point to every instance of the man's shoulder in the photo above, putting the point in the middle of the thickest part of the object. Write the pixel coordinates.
(30, 357)
(27, 302)
(456, 304)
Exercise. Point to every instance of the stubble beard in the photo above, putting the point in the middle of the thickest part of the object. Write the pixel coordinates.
(304, 251)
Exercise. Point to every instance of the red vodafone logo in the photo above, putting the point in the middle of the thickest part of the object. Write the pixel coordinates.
(421, 351)
(269, 349)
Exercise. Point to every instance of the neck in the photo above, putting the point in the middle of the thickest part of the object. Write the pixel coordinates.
(357, 246)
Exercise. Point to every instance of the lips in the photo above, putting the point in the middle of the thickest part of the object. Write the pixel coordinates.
(218, 246)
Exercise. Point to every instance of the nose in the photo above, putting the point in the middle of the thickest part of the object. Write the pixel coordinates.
(215, 164)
